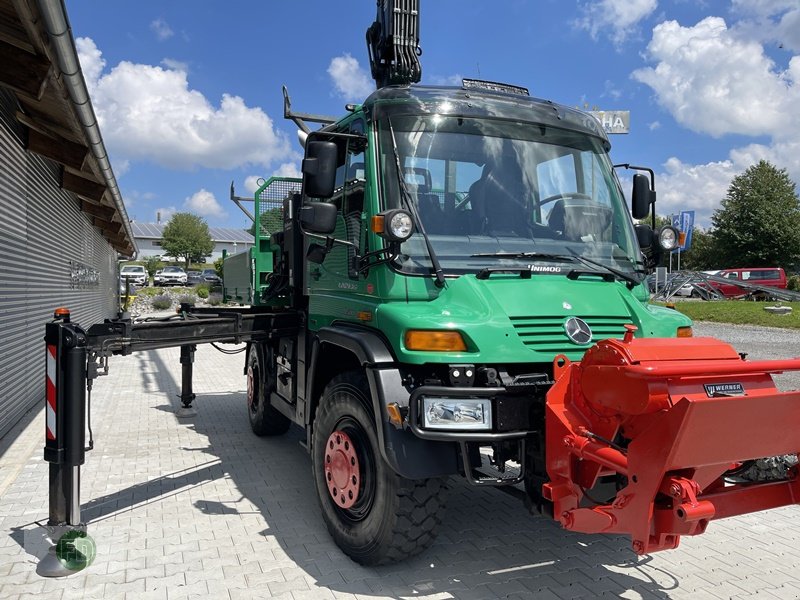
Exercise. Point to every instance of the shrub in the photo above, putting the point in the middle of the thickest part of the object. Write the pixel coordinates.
(793, 283)
(215, 299)
(202, 291)
(186, 299)
(162, 302)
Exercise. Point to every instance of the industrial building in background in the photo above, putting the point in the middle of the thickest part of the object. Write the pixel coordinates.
(63, 224)
(148, 238)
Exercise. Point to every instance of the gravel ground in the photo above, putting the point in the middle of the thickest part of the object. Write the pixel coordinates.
(760, 343)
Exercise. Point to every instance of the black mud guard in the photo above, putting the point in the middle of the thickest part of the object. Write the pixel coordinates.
(409, 456)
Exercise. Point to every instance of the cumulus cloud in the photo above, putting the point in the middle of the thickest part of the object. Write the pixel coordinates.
(205, 204)
(714, 82)
(350, 80)
(150, 113)
(616, 19)
(161, 29)
(717, 80)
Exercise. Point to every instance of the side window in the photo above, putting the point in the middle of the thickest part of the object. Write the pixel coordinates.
(556, 176)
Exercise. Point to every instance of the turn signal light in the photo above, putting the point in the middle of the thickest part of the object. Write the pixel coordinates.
(435, 341)
(684, 332)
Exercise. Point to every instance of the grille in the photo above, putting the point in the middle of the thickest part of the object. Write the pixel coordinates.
(546, 334)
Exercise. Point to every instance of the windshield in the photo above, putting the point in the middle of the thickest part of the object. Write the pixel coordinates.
(173, 270)
(133, 269)
(502, 190)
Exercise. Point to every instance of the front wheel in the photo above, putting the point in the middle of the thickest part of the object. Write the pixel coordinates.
(374, 515)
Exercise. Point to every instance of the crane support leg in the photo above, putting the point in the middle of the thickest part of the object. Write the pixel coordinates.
(65, 438)
(187, 395)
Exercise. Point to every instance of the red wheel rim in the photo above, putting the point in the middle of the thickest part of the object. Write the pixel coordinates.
(341, 469)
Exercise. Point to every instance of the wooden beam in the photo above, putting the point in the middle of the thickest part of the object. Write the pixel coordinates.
(44, 126)
(96, 210)
(65, 152)
(22, 71)
(86, 188)
(15, 36)
(108, 227)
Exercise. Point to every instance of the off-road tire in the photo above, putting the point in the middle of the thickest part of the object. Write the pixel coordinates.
(394, 517)
(264, 419)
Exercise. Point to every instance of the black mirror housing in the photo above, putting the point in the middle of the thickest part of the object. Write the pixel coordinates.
(318, 217)
(319, 169)
(644, 235)
(642, 198)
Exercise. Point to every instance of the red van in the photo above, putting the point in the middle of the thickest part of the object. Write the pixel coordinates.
(762, 276)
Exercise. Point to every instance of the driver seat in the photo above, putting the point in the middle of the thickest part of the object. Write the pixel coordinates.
(579, 220)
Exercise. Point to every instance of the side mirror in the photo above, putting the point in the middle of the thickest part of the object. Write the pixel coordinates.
(643, 197)
(318, 217)
(319, 169)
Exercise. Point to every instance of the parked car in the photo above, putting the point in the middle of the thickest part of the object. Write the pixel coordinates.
(171, 276)
(136, 274)
(210, 276)
(761, 276)
(194, 277)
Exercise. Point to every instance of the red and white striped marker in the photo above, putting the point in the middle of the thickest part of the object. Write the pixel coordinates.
(51, 392)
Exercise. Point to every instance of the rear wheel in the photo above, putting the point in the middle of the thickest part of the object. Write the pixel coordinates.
(264, 419)
(374, 515)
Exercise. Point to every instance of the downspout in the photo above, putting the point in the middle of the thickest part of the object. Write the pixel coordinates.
(54, 15)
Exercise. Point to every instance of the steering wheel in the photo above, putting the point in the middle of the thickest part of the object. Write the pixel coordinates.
(564, 196)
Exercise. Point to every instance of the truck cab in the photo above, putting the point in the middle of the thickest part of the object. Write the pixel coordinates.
(446, 250)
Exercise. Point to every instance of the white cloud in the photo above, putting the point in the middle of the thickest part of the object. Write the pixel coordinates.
(164, 214)
(175, 65)
(351, 81)
(717, 81)
(204, 203)
(654, 125)
(714, 82)
(615, 19)
(149, 113)
(161, 29)
(253, 182)
(288, 170)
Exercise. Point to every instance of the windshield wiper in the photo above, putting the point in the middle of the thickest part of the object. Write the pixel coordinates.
(409, 202)
(630, 280)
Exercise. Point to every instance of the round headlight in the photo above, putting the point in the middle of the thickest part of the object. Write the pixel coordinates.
(668, 238)
(401, 226)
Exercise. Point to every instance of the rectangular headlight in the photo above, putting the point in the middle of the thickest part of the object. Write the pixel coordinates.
(457, 413)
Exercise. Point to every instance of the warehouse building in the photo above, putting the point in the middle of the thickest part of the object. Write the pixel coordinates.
(63, 224)
(148, 239)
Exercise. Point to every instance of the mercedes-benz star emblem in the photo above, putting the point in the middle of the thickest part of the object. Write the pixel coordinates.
(578, 330)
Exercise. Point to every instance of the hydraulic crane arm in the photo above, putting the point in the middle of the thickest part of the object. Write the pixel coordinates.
(393, 43)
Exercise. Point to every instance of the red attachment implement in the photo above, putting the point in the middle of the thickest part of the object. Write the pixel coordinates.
(663, 421)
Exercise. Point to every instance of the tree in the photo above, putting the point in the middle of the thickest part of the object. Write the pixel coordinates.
(759, 222)
(152, 264)
(186, 236)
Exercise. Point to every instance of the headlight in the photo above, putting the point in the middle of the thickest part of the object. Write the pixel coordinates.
(457, 413)
(395, 225)
(668, 237)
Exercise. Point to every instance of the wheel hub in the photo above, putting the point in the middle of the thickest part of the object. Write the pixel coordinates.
(341, 469)
(251, 388)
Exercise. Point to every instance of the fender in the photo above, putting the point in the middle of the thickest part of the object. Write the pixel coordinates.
(409, 456)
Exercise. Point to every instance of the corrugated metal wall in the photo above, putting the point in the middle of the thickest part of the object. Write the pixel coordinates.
(50, 255)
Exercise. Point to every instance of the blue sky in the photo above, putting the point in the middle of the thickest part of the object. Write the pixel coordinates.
(188, 94)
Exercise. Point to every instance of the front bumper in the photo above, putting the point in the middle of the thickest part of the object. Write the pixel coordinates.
(512, 414)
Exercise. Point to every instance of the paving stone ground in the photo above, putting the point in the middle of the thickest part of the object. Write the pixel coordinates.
(201, 508)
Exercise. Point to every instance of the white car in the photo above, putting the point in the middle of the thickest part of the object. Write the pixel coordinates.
(135, 274)
(170, 276)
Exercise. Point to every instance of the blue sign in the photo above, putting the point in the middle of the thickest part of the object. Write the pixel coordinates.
(684, 223)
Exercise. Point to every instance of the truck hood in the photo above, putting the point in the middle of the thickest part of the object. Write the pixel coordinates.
(511, 319)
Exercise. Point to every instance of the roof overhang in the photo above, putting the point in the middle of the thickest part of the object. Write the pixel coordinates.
(39, 65)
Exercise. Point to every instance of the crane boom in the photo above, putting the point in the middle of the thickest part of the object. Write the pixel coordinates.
(393, 43)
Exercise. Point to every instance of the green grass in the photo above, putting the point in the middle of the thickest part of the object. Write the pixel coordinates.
(741, 312)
